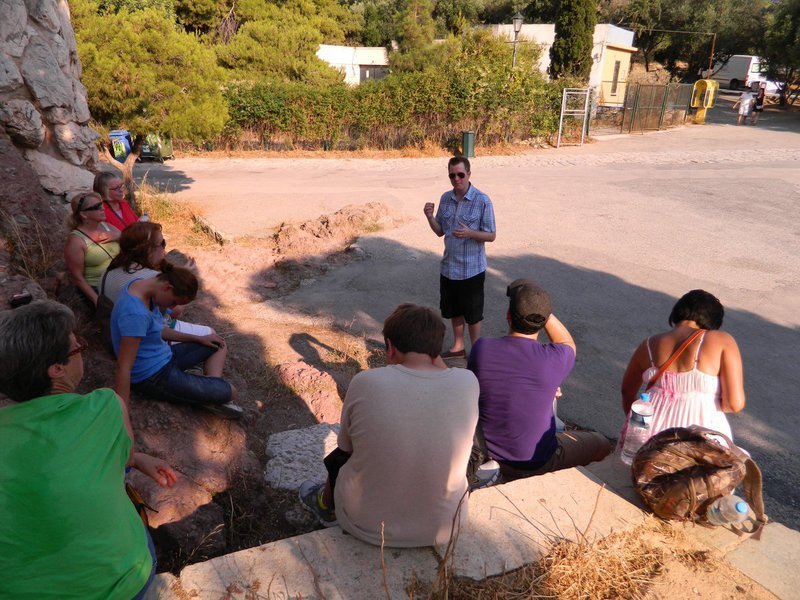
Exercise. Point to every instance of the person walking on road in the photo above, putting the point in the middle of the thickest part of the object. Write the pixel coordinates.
(758, 104)
(465, 218)
(745, 104)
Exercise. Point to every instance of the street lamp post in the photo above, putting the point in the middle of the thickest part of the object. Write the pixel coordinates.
(516, 20)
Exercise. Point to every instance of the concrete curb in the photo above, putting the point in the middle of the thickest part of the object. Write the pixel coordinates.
(508, 526)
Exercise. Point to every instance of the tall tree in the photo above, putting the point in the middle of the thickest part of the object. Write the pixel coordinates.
(415, 25)
(571, 52)
(782, 45)
(144, 74)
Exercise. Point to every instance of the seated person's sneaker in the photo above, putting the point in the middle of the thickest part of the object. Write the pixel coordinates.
(310, 494)
(487, 474)
(229, 410)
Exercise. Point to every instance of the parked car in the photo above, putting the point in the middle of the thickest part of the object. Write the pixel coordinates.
(740, 71)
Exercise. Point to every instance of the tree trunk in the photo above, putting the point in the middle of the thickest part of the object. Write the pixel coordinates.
(127, 170)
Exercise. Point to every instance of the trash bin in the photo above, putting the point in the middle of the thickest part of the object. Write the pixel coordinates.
(156, 148)
(121, 144)
(468, 144)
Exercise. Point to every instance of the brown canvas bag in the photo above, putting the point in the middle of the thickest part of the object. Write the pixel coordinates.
(679, 472)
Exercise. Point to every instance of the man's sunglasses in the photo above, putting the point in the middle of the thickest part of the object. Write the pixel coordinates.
(82, 345)
(459, 175)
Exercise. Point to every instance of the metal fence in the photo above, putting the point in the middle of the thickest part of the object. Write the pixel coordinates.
(651, 107)
(644, 107)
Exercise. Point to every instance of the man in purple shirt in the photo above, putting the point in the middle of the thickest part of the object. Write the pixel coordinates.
(518, 377)
(465, 218)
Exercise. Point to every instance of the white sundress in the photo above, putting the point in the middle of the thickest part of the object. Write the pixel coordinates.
(685, 398)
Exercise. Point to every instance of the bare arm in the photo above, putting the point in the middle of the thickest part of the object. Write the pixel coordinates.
(632, 379)
(155, 468)
(558, 334)
(478, 236)
(731, 376)
(75, 255)
(210, 340)
(432, 222)
(128, 347)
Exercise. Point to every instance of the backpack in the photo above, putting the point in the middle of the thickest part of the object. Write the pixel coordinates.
(679, 472)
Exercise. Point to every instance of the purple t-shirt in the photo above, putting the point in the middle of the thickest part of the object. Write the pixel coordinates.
(518, 378)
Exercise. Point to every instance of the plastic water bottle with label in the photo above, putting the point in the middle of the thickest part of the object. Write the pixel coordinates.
(727, 510)
(638, 427)
(144, 218)
(169, 320)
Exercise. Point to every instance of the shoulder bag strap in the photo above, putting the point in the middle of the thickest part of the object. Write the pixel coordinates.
(95, 243)
(672, 358)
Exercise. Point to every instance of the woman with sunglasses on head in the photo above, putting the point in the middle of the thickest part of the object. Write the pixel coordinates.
(112, 189)
(91, 244)
(142, 249)
(146, 361)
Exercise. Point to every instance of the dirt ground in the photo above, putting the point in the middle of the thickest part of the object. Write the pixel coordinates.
(294, 374)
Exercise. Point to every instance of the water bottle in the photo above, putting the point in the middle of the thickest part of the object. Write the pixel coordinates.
(728, 510)
(144, 218)
(638, 427)
(169, 320)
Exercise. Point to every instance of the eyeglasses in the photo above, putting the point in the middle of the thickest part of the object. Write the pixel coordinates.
(92, 207)
(161, 244)
(82, 345)
(116, 188)
(460, 175)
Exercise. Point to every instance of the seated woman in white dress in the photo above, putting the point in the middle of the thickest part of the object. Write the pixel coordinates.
(703, 383)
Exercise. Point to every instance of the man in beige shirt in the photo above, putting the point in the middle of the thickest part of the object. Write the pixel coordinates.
(399, 473)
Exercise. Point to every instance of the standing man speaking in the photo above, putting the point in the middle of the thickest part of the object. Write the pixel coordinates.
(466, 220)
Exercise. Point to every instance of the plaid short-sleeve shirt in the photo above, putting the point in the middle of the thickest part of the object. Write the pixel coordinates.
(464, 258)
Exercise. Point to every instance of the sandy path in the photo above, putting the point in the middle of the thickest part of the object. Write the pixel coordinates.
(616, 230)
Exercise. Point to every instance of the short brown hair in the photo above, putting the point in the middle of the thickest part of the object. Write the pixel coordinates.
(459, 160)
(413, 328)
(183, 281)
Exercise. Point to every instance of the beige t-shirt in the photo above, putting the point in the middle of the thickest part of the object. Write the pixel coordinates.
(410, 434)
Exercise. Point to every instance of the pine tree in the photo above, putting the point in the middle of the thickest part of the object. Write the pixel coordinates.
(571, 53)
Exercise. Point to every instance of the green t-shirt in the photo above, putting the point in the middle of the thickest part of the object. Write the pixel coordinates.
(67, 527)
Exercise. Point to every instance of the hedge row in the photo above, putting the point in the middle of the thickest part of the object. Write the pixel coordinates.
(403, 109)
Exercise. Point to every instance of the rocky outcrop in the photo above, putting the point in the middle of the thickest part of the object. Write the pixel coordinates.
(43, 106)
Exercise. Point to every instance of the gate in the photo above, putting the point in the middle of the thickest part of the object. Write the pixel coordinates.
(651, 107)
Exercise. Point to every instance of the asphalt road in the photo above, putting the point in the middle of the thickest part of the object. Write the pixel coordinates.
(616, 230)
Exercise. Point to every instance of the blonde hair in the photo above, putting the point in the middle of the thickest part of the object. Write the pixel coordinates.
(78, 203)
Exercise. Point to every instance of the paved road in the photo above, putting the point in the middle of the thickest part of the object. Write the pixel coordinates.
(617, 230)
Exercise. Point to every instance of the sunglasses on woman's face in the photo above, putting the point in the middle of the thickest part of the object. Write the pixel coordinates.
(459, 175)
(82, 345)
(92, 207)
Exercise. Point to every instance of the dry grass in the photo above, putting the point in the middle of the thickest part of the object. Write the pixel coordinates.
(184, 220)
(429, 150)
(31, 248)
(622, 565)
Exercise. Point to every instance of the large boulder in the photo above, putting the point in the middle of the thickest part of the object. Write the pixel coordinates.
(14, 32)
(57, 176)
(43, 75)
(76, 143)
(10, 77)
(23, 123)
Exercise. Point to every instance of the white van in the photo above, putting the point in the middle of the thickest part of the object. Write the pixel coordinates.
(741, 70)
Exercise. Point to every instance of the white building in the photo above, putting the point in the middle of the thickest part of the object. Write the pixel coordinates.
(359, 64)
(612, 49)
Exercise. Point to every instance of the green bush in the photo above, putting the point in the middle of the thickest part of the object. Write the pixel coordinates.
(466, 83)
